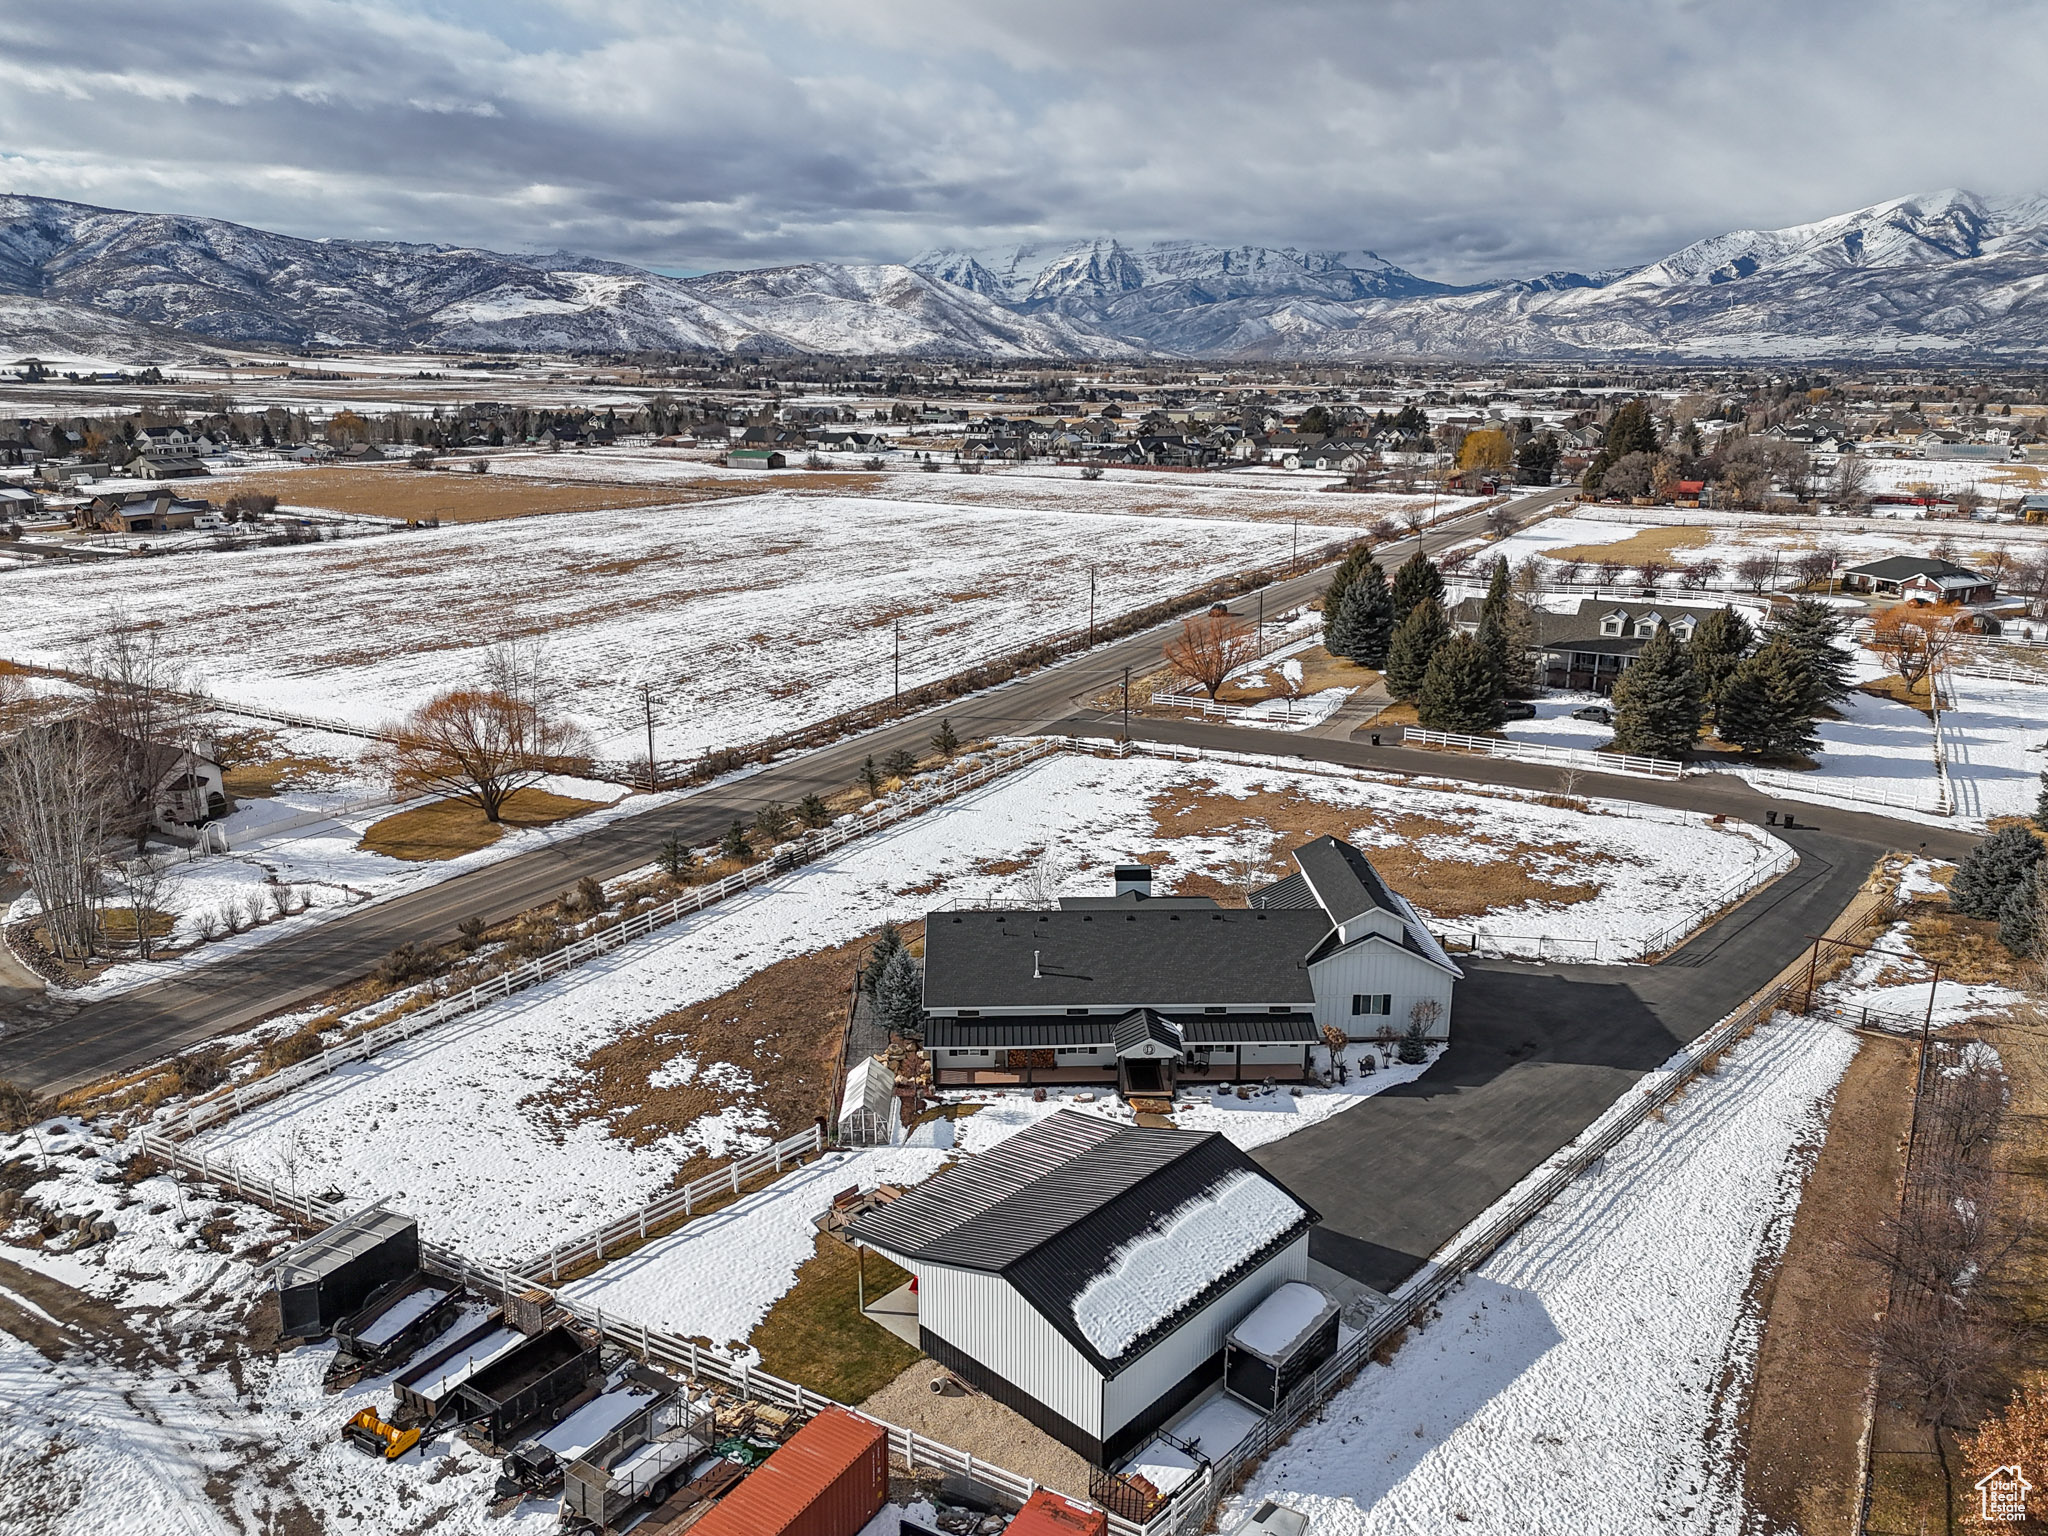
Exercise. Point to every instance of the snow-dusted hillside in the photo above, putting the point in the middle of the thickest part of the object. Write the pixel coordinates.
(1948, 274)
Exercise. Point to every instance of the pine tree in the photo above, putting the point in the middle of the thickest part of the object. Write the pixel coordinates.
(1365, 620)
(1461, 690)
(675, 859)
(1502, 631)
(899, 995)
(1417, 580)
(900, 763)
(880, 953)
(1414, 643)
(2019, 916)
(871, 776)
(2041, 805)
(1717, 647)
(1810, 627)
(1333, 594)
(1766, 705)
(945, 741)
(1997, 866)
(1657, 701)
(734, 844)
(813, 810)
(1414, 1046)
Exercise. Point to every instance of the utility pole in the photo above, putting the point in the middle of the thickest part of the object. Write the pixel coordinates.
(1127, 703)
(647, 706)
(899, 661)
(1091, 605)
(1262, 622)
(1294, 562)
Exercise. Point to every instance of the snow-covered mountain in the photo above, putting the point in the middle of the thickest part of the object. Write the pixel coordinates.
(1948, 274)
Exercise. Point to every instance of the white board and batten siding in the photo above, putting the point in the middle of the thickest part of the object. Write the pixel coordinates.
(1378, 970)
(983, 1317)
(1200, 1338)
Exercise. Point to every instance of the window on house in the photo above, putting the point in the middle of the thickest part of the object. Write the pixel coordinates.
(1646, 627)
(1283, 1008)
(1215, 1010)
(970, 1013)
(1372, 1002)
(1611, 625)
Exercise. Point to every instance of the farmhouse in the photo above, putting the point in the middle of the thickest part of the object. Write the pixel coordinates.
(1143, 990)
(1589, 648)
(1921, 576)
(1088, 1274)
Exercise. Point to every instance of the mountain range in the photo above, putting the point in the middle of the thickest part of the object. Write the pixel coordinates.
(1947, 275)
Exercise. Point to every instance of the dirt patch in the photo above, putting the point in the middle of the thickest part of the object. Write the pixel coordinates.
(1895, 689)
(1319, 670)
(1446, 887)
(979, 1425)
(770, 1045)
(1658, 543)
(816, 1337)
(1803, 1428)
(453, 496)
(447, 829)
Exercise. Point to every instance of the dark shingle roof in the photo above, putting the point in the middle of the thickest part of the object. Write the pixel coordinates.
(1119, 958)
(1131, 899)
(1906, 567)
(1344, 881)
(1049, 1208)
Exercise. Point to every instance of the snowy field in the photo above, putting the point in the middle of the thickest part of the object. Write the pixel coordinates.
(1574, 1382)
(1995, 737)
(746, 616)
(1555, 727)
(522, 1174)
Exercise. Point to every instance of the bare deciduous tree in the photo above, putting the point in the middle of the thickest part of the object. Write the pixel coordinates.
(149, 711)
(145, 886)
(1209, 648)
(1849, 489)
(1754, 570)
(483, 744)
(57, 802)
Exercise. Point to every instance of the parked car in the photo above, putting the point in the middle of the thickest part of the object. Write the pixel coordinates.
(1515, 709)
(1599, 714)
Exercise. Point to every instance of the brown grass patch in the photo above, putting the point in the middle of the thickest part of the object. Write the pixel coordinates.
(1657, 543)
(815, 1335)
(1447, 887)
(1966, 948)
(1895, 689)
(1002, 867)
(448, 828)
(783, 1026)
(454, 496)
(259, 780)
(1319, 670)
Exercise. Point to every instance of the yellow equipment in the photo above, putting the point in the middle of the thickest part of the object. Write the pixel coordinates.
(373, 1437)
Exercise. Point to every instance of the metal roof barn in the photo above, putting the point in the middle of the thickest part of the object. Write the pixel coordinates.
(332, 1274)
(830, 1479)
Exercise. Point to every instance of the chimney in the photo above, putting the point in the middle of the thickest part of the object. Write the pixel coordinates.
(1134, 879)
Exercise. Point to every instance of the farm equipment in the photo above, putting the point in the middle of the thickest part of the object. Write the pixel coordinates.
(535, 1467)
(373, 1437)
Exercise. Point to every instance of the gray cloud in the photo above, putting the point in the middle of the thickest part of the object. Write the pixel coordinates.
(1462, 140)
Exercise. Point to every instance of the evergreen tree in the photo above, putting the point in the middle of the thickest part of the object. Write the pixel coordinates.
(675, 858)
(900, 763)
(1657, 701)
(1461, 688)
(813, 810)
(734, 844)
(1333, 594)
(945, 740)
(2019, 916)
(1498, 628)
(1766, 705)
(1417, 579)
(1414, 1046)
(899, 995)
(1810, 627)
(1717, 647)
(1414, 643)
(1995, 868)
(2041, 805)
(1365, 620)
(871, 776)
(887, 942)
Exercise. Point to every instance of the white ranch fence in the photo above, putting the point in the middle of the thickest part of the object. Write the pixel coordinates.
(1542, 752)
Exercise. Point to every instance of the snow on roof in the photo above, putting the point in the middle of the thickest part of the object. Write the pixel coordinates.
(1185, 1253)
(1278, 1323)
(596, 1419)
(401, 1315)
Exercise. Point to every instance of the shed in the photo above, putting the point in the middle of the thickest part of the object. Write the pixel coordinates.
(756, 458)
(1086, 1273)
(830, 1479)
(1279, 1345)
(332, 1274)
(535, 1378)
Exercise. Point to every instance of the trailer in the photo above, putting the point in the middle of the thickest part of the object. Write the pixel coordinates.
(531, 1380)
(667, 1448)
(331, 1275)
(1279, 1344)
(397, 1321)
(428, 1388)
(536, 1466)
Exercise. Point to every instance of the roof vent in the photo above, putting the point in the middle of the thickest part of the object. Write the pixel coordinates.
(1133, 880)
(1036, 975)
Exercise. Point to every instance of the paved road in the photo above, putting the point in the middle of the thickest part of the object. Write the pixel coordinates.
(63, 1046)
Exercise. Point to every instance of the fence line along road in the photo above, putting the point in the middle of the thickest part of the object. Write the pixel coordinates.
(231, 1102)
(1541, 752)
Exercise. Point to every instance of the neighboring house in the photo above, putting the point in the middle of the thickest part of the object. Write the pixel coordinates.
(141, 512)
(1920, 576)
(194, 790)
(1148, 991)
(757, 458)
(1589, 648)
(167, 453)
(1087, 1274)
(17, 503)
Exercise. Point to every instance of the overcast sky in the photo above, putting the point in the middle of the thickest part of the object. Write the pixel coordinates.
(1462, 141)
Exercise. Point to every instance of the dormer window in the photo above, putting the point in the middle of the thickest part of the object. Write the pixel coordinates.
(1646, 626)
(1612, 624)
(1683, 629)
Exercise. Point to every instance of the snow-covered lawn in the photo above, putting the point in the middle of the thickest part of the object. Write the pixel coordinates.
(1555, 727)
(745, 616)
(1995, 737)
(454, 1124)
(1574, 1382)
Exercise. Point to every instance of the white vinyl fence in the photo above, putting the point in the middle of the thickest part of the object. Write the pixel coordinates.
(1542, 752)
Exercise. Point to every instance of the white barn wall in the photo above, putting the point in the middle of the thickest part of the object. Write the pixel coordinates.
(1148, 1378)
(1372, 969)
(983, 1316)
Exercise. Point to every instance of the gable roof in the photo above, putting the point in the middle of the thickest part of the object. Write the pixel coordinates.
(1904, 567)
(1343, 879)
(1050, 1208)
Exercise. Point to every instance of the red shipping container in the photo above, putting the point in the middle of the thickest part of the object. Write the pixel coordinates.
(830, 1479)
(1047, 1514)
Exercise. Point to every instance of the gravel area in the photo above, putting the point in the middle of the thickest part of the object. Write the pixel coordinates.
(979, 1425)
